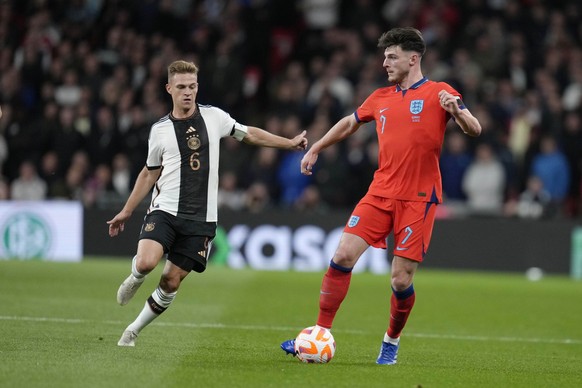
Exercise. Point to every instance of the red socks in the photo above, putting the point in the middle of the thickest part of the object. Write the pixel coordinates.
(401, 304)
(334, 289)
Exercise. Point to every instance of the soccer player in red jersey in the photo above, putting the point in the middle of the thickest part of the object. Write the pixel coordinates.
(411, 117)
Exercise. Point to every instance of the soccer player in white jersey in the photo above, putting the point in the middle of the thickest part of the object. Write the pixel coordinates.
(182, 169)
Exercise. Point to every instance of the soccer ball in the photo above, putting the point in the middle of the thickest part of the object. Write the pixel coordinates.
(315, 344)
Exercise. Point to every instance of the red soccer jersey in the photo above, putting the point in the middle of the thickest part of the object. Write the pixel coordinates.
(410, 126)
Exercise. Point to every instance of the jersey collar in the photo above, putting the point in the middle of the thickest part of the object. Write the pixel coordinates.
(415, 86)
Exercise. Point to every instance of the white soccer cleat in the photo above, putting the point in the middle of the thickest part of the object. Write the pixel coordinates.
(127, 338)
(128, 289)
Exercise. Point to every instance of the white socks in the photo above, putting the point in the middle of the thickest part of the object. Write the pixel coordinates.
(162, 299)
(393, 341)
(134, 270)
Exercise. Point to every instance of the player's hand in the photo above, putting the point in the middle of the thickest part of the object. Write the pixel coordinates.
(309, 159)
(117, 224)
(299, 142)
(449, 102)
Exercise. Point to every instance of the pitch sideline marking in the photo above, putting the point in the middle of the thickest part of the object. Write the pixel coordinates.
(566, 341)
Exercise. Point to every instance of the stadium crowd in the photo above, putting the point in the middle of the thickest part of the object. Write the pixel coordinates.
(82, 81)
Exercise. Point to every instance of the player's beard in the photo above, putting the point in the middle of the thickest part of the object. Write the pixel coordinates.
(395, 77)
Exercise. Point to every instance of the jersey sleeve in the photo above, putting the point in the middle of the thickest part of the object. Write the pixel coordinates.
(455, 93)
(365, 113)
(239, 131)
(230, 127)
(154, 159)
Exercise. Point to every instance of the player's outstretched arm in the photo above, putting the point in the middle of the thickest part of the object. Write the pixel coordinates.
(463, 117)
(260, 137)
(342, 129)
(144, 183)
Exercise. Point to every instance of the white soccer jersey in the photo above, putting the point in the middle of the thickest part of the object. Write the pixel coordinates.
(187, 151)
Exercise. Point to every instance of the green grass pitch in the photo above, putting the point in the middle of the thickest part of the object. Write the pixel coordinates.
(59, 326)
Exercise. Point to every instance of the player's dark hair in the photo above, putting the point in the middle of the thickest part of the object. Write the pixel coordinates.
(408, 38)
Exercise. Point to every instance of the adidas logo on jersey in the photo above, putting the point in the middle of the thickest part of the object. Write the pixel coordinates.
(202, 253)
(190, 130)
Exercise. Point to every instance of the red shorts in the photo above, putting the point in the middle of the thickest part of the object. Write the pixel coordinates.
(375, 217)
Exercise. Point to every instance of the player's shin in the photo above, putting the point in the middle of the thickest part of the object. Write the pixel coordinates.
(334, 289)
(401, 304)
(156, 304)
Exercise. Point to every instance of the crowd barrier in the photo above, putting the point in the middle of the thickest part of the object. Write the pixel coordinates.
(287, 240)
(51, 230)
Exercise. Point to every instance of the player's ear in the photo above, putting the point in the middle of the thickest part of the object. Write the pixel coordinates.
(168, 89)
(413, 59)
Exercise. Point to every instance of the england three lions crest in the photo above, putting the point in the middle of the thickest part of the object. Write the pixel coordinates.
(416, 106)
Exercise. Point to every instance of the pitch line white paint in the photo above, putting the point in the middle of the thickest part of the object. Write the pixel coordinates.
(561, 341)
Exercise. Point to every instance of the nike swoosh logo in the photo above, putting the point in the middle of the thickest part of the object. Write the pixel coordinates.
(401, 249)
(382, 110)
(324, 293)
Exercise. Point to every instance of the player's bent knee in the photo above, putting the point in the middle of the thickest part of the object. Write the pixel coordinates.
(169, 285)
(344, 258)
(401, 280)
(401, 284)
(145, 263)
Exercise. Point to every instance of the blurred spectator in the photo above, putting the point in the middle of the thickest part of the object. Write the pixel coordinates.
(121, 175)
(331, 176)
(74, 180)
(80, 161)
(291, 181)
(484, 183)
(235, 156)
(551, 166)
(320, 14)
(527, 117)
(67, 140)
(263, 170)
(91, 75)
(455, 159)
(465, 71)
(69, 92)
(258, 198)
(535, 201)
(517, 71)
(572, 97)
(135, 141)
(124, 111)
(434, 68)
(50, 172)
(83, 121)
(362, 157)
(310, 201)
(230, 196)
(489, 48)
(332, 81)
(327, 106)
(26, 139)
(103, 141)
(28, 186)
(98, 189)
